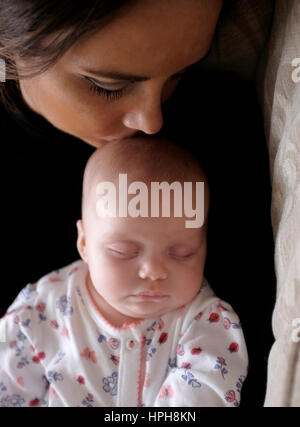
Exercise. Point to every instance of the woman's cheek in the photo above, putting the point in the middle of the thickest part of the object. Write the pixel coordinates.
(168, 90)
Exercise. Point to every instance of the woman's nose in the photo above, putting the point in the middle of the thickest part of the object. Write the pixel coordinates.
(153, 270)
(145, 115)
(149, 122)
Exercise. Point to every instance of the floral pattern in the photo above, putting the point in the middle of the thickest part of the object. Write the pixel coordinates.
(61, 352)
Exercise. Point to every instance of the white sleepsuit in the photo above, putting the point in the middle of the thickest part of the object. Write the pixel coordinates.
(58, 350)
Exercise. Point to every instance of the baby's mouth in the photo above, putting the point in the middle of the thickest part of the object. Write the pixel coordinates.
(149, 295)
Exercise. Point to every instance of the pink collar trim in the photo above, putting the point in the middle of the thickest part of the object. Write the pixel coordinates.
(126, 325)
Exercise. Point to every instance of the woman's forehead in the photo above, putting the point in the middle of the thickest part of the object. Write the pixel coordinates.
(150, 37)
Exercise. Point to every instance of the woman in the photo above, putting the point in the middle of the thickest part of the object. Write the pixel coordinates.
(129, 53)
(98, 72)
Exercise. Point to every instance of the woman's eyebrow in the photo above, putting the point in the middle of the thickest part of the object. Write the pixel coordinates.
(116, 75)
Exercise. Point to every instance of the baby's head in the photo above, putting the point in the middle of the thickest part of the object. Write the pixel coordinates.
(141, 265)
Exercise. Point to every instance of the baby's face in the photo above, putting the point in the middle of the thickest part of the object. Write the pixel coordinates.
(143, 267)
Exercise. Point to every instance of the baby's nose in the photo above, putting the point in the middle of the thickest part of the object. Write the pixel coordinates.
(153, 271)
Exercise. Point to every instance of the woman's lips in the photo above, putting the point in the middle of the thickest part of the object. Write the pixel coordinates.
(101, 141)
(119, 138)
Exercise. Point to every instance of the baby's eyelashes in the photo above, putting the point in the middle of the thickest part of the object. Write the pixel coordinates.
(121, 254)
(181, 252)
(130, 252)
(124, 250)
(181, 257)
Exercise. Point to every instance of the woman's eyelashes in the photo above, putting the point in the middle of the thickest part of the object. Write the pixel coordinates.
(114, 94)
(109, 94)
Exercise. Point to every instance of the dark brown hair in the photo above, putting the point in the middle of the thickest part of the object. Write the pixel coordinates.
(39, 32)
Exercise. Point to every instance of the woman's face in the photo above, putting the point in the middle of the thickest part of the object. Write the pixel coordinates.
(111, 85)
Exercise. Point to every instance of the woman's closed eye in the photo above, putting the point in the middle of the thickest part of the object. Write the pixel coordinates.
(104, 90)
(114, 94)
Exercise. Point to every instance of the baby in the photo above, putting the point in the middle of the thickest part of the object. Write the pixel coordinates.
(134, 323)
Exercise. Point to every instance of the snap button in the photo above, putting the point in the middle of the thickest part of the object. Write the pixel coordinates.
(131, 344)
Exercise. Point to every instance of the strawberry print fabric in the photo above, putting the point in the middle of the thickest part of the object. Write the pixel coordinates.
(60, 351)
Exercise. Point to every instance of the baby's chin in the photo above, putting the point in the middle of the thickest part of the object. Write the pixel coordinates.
(143, 313)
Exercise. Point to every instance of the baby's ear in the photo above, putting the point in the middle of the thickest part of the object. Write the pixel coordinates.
(81, 244)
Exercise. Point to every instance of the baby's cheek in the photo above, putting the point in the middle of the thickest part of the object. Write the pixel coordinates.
(112, 274)
(193, 279)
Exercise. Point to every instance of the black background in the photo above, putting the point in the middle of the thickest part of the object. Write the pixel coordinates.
(218, 117)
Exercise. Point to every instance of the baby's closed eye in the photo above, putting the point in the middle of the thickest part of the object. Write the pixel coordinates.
(123, 250)
(128, 250)
(182, 252)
